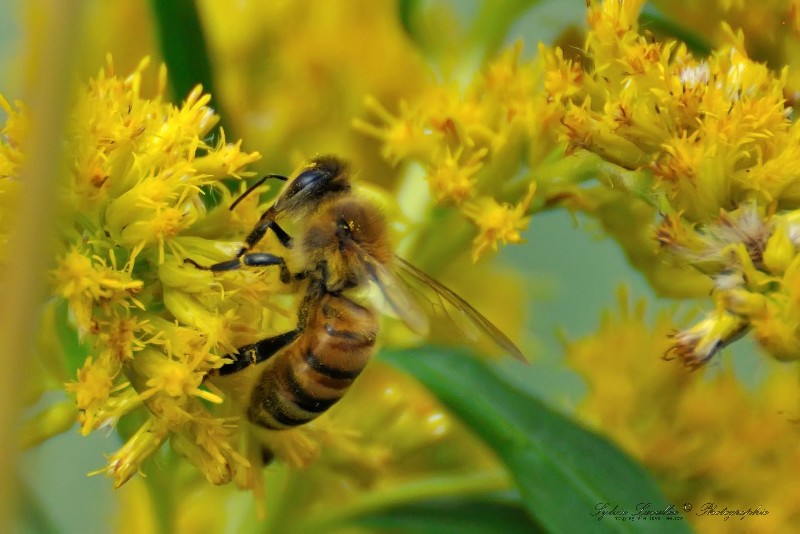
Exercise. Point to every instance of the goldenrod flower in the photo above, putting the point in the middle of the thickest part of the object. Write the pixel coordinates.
(714, 149)
(127, 461)
(698, 344)
(83, 280)
(210, 443)
(472, 142)
(155, 327)
(498, 222)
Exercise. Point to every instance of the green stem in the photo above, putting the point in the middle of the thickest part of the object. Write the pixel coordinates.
(444, 239)
(561, 175)
(654, 20)
(162, 486)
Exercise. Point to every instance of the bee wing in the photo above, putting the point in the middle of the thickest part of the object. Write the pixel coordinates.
(396, 295)
(469, 320)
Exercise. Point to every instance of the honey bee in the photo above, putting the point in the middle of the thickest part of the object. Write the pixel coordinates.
(343, 245)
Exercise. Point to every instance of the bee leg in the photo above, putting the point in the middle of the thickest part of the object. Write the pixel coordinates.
(264, 259)
(217, 267)
(257, 352)
(267, 222)
(254, 259)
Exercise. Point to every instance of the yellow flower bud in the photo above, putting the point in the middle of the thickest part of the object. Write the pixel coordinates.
(779, 250)
(698, 344)
(175, 274)
(210, 445)
(742, 302)
(187, 308)
(126, 462)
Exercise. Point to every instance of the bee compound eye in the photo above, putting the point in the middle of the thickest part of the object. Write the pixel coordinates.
(308, 178)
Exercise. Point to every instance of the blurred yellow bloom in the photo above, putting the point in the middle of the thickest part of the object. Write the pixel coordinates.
(473, 141)
(498, 222)
(453, 180)
(136, 509)
(50, 422)
(291, 75)
(706, 438)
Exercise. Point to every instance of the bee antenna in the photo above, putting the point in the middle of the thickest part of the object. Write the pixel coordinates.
(255, 186)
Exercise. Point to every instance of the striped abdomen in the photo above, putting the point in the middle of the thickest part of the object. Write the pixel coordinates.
(311, 374)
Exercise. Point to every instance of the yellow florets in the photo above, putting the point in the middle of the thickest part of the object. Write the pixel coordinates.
(155, 326)
(472, 142)
(710, 144)
(498, 222)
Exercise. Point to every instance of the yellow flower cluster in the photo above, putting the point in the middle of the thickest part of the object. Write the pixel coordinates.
(723, 444)
(715, 150)
(133, 206)
(475, 144)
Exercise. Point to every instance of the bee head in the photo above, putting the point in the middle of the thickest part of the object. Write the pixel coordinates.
(324, 178)
(349, 234)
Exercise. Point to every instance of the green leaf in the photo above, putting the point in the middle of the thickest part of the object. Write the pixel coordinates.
(488, 513)
(654, 20)
(183, 47)
(407, 10)
(564, 473)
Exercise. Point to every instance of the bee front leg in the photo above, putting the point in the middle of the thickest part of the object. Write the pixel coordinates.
(264, 259)
(267, 222)
(253, 259)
